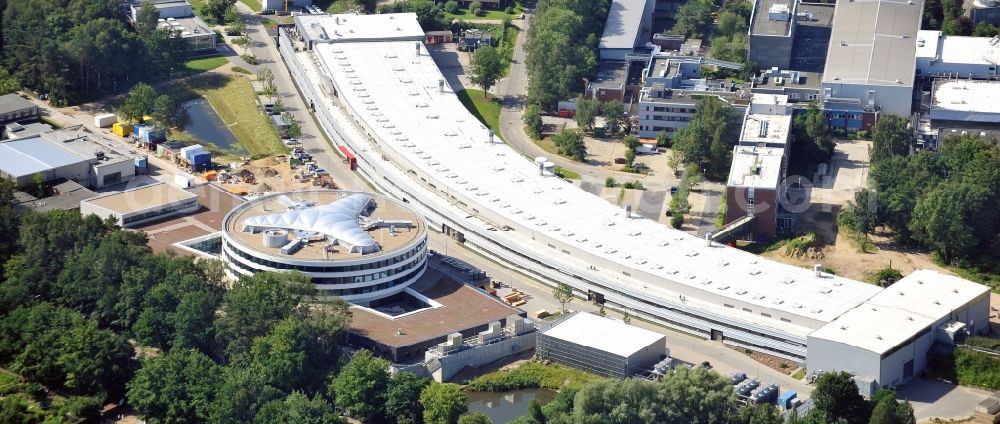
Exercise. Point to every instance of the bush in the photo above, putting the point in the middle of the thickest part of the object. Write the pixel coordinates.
(885, 277)
(677, 220)
(798, 246)
(977, 369)
(476, 7)
(477, 11)
(451, 6)
(610, 182)
(82, 406)
(531, 375)
(251, 59)
(633, 185)
(509, 10)
(240, 70)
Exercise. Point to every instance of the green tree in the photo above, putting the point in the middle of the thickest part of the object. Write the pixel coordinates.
(241, 393)
(731, 48)
(629, 158)
(451, 6)
(299, 409)
(693, 18)
(402, 399)
(146, 19)
(8, 82)
(474, 418)
(706, 140)
(614, 113)
(563, 294)
(533, 121)
(860, 215)
(486, 68)
(139, 103)
(168, 113)
(215, 10)
(561, 46)
(443, 403)
(731, 23)
(760, 414)
(836, 397)
(949, 219)
(888, 410)
(892, 137)
(661, 139)
(256, 303)
(586, 113)
(298, 353)
(361, 386)
(475, 7)
(570, 143)
(178, 387)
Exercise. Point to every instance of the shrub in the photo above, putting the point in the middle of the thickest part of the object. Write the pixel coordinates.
(798, 246)
(509, 10)
(240, 70)
(677, 220)
(476, 8)
(451, 6)
(885, 277)
(251, 59)
(610, 182)
(477, 11)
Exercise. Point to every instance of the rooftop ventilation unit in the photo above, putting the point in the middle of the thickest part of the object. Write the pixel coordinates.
(741, 292)
(825, 290)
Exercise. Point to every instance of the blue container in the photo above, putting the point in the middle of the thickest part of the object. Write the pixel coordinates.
(202, 158)
(786, 400)
(140, 162)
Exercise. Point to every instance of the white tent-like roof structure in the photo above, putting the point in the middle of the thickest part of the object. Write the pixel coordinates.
(339, 220)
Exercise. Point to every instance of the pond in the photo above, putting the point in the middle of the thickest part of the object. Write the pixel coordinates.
(503, 407)
(207, 128)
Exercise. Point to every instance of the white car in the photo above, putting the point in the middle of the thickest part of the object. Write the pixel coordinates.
(291, 141)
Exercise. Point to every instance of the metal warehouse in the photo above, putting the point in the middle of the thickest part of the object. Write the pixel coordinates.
(871, 60)
(601, 345)
(416, 141)
(886, 340)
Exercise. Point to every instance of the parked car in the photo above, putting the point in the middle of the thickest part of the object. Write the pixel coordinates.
(290, 141)
(267, 12)
(620, 161)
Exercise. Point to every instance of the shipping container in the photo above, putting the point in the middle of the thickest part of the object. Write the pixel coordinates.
(121, 129)
(105, 120)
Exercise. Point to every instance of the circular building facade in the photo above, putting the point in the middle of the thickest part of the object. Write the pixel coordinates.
(356, 246)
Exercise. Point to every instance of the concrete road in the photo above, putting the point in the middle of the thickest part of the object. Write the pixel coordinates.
(937, 399)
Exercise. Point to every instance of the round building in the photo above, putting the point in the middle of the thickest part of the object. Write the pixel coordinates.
(356, 246)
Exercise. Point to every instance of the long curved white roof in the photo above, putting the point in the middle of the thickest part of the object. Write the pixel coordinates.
(337, 219)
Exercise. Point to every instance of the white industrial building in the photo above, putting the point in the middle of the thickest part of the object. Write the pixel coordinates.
(416, 142)
(629, 25)
(72, 153)
(886, 340)
(141, 204)
(870, 62)
(601, 346)
(965, 101)
(952, 56)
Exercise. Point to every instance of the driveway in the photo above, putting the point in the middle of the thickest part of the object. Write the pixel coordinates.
(937, 399)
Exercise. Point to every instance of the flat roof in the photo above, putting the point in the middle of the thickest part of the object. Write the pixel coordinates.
(349, 27)
(395, 96)
(68, 195)
(13, 102)
(30, 155)
(872, 43)
(389, 239)
(930, 293)
(190, 26)
(762, 25)
(957, 49)
(895, 314)
(765, 128)
(214, 203)
(604, 334)
(624, 23)
(967, 96)
(141, 198)
(462, 307)
(754, 166)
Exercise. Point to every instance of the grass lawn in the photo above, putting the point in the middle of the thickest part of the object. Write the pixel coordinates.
(253, 5)
(486, 109)
(203, 64)
(547, 145)
(234, 101)
(567, 174)
(487, 14)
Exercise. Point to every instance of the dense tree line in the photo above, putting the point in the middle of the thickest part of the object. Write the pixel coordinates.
(75, 49)
(429, 13)
(562, 48)
(948, 202)
(730, 41)
(708, 139)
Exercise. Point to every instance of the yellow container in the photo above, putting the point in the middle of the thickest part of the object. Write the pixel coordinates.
(122, 129)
